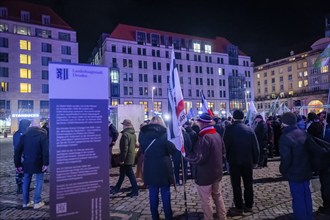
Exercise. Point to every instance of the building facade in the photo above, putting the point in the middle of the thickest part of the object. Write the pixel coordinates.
(139, 63)
(295, 81)
(31, 36)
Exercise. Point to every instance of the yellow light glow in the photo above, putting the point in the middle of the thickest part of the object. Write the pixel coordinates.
(25, 59)
(25, 87)
(25, 73)
(25, 45)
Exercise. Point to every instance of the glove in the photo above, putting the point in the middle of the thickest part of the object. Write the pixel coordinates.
(19, 169)
(44, 169)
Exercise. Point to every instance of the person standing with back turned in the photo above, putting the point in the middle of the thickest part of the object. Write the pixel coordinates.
(242, 150)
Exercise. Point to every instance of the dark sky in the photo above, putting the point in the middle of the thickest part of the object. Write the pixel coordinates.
(261, 29)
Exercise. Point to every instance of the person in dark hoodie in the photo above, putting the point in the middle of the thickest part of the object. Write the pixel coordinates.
(23, 126)
(34, 147)
(296, 166)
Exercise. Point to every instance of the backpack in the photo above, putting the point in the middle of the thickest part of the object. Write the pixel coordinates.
(319, 151)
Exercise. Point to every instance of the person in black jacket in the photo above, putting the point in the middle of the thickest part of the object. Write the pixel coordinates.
(34, 147)
(157, 170)
(22, 128)
(296, 166)
(113, 136)
(242, 151)
(261, 131)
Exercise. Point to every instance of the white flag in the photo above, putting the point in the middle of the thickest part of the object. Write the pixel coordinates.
(175, 108)
(252, 112)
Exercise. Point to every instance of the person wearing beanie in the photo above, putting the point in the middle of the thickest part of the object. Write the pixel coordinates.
(242, 153)
(295, 166)
(22, 127)
(208, 157)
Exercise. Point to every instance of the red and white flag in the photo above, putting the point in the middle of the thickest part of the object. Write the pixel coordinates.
(175, 108)
(205, 108)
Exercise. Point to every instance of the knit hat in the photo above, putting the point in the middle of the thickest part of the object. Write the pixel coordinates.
(289, 118)
(205, 117)
(238, 115)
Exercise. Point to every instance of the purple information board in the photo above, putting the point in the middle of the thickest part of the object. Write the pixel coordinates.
(79, 152)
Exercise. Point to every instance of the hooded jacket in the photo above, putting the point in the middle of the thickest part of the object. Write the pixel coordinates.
(34, 147)
(22, 127)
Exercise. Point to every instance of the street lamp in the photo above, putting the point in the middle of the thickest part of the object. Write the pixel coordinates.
(152, 100)
(246, 99)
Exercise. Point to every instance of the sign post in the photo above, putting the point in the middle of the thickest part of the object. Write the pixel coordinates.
(79, 152)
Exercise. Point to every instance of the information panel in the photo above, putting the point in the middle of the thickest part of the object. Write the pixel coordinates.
(79, 135)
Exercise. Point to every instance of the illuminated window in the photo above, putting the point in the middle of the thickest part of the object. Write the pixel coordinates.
(114, 102)
(25, 88)
(3, 27)
(22, 30)
(197, 47)
(25, 73)
(305, 82)
(25, 59)
(208, 49)
(145, 105)
(305, 64)
(305, 73)
(220, 71)
(258, 76)
(4, 87)
(324, 69)
(25, 45)
(128, 103)
(114, 76)
(291, 92)
(300, 84)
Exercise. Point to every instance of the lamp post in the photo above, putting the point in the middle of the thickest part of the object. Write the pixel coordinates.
(152, 101)
(246, 99)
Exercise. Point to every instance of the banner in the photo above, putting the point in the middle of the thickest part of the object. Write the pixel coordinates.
(175, 107)
(251, 114)
(272, 109)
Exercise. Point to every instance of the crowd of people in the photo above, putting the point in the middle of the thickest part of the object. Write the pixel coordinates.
(212, 150)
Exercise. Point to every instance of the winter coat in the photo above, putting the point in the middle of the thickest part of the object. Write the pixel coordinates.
(261, 132)
(208, 157)
(157, 169)
(241, 144)
(22, 128)
(113, 135)
(295, 162)
(127, 146)
(34, 147)
(316, 129)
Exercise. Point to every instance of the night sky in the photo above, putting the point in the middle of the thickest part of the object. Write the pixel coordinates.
(261, 29)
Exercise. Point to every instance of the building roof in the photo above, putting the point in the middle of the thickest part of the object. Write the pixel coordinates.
(15, 7)
(127, 32)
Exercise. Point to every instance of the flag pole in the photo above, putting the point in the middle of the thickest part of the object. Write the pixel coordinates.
(326, 113)
(184, 188)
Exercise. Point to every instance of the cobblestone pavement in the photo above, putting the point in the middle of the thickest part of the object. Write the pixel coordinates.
(272, 196)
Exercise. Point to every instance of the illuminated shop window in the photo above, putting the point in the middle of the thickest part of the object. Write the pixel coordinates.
(25, 87)
(25, 59)
(291, 92)
(25, 73)
(114, 102)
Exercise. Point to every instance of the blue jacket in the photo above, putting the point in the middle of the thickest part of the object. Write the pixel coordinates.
(34, 147)
(295, 161)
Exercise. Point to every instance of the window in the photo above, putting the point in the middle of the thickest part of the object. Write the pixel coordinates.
(25, 59)
(43, 33)
(25, 45)
(197, 47)
(45, 89)
(113, 48)
(289, 68)
(3, 12)
(25, 88)
(114, 74)
(300, 84)
(155, 40)
(4, 87)
(265, 74)
(4, 72)
(208, 49)
(4, 57)
(305, 82)
(45, 19)
(145, 77)
(64, 36)
(66, 50)
(66, 60)
(25, 106)
(45, 61)
(22, 30)
(3, 27)
(141, 37)
(44, 74)
(140, 77)
(46, 47)
(258, 76)
(290, 77)
(25, 16)
(220, 71)
(25, 73)
(3, 42)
